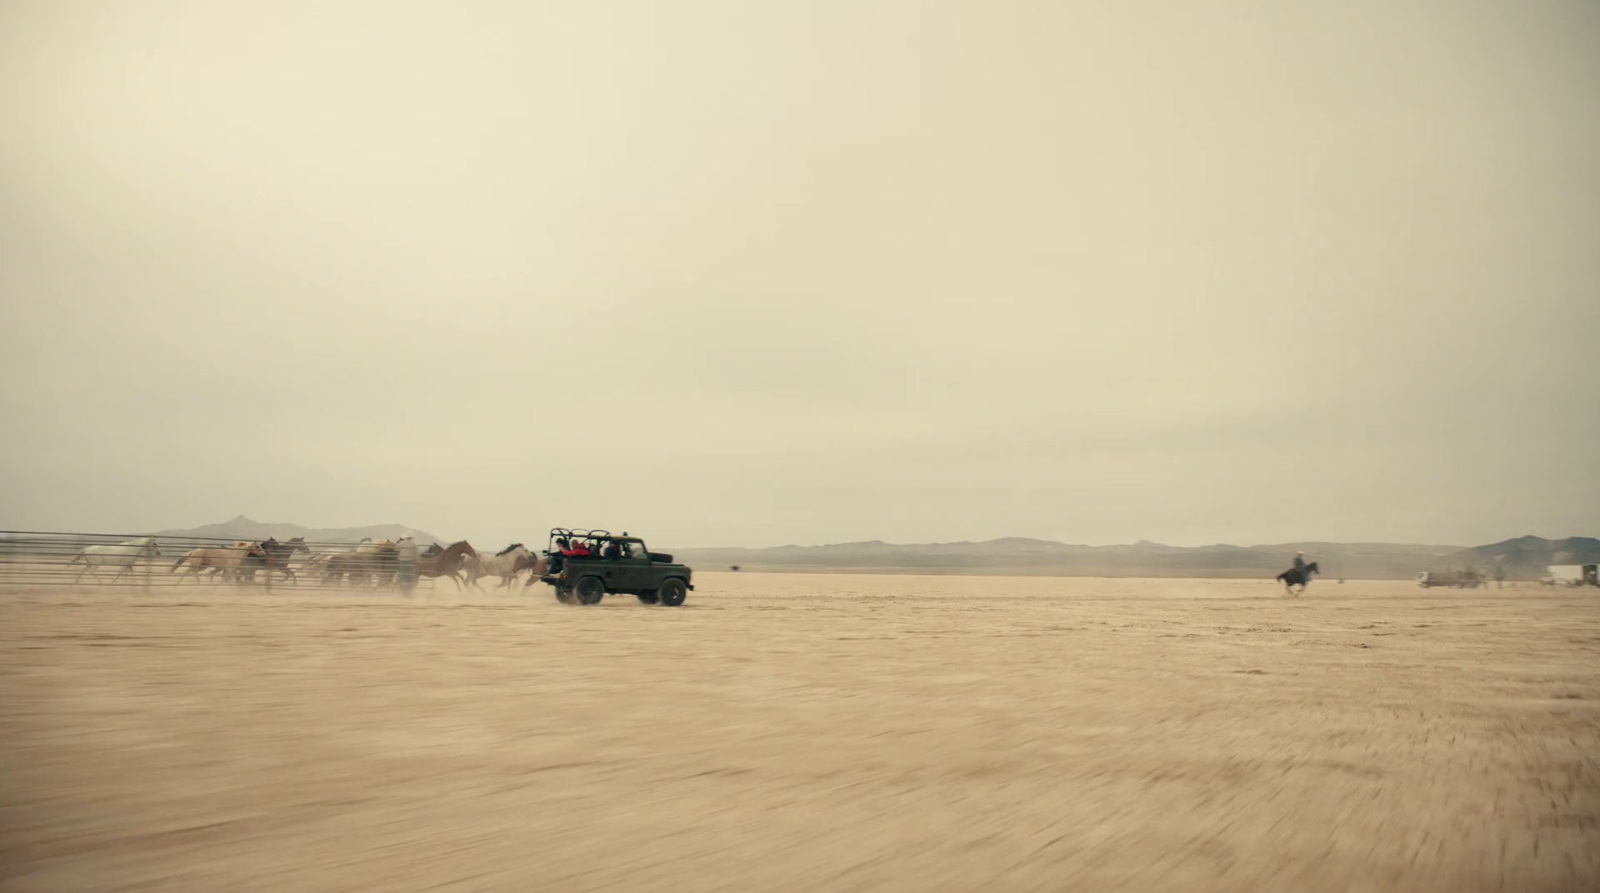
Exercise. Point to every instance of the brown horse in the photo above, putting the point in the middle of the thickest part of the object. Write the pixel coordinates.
(438, 562)
(538, 564)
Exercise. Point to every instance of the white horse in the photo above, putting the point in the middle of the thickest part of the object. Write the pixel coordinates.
(122, 556)
(503, 564)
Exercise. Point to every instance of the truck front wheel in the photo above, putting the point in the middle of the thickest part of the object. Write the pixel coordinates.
(672, 592)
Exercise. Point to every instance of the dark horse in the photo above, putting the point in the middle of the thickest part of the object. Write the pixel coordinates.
(439, 561)
(279, 554)
(1294, 576)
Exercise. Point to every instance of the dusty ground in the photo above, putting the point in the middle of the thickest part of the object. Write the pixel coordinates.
(805, 733)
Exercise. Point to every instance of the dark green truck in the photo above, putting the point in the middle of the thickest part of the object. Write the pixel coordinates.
(617, 564)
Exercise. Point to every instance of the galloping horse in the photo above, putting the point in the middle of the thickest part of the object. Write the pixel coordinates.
(280, 554)
(235, 563)
(1296, 577)
(319, 562)
(446, 562)
(121, 556)
(368, 563)
(503, 564)
(538, 564)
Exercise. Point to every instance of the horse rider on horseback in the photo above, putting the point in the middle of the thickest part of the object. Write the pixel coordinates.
(1300, 562)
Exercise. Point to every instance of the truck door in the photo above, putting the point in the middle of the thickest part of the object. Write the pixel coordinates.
(605, 568)
(634, 566)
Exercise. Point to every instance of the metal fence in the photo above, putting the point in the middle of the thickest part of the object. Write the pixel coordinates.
(44, 558)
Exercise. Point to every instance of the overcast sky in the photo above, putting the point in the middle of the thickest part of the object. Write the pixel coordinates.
(752, 273)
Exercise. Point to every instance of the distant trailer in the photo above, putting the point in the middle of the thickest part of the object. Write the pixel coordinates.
(1453, 579)
(1575, 574)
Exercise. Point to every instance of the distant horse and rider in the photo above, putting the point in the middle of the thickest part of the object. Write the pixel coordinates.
(1299, 575)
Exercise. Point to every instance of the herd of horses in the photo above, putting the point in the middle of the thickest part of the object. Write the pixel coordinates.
(370, 563)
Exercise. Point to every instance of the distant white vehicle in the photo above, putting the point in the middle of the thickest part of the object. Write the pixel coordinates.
(1575, 574)
(1454, 579)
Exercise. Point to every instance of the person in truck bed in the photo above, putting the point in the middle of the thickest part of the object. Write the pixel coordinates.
(576, 550)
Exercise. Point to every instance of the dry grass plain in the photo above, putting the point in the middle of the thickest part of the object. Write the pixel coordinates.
(804, 733)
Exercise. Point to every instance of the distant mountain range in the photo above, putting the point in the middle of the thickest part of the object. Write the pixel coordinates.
(1523, 558)
(242, 528)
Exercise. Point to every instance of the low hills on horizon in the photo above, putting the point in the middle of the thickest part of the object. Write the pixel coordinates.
(1523, 558)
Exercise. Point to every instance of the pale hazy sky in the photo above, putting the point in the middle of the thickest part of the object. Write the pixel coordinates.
(750, 273)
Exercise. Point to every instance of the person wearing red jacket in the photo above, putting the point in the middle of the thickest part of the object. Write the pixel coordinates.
(576, 550)
(558, 558)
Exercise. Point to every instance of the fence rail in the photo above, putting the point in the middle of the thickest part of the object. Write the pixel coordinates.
(56, 558)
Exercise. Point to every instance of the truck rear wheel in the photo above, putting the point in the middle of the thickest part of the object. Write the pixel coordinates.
(672, 592)
(590, 590)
